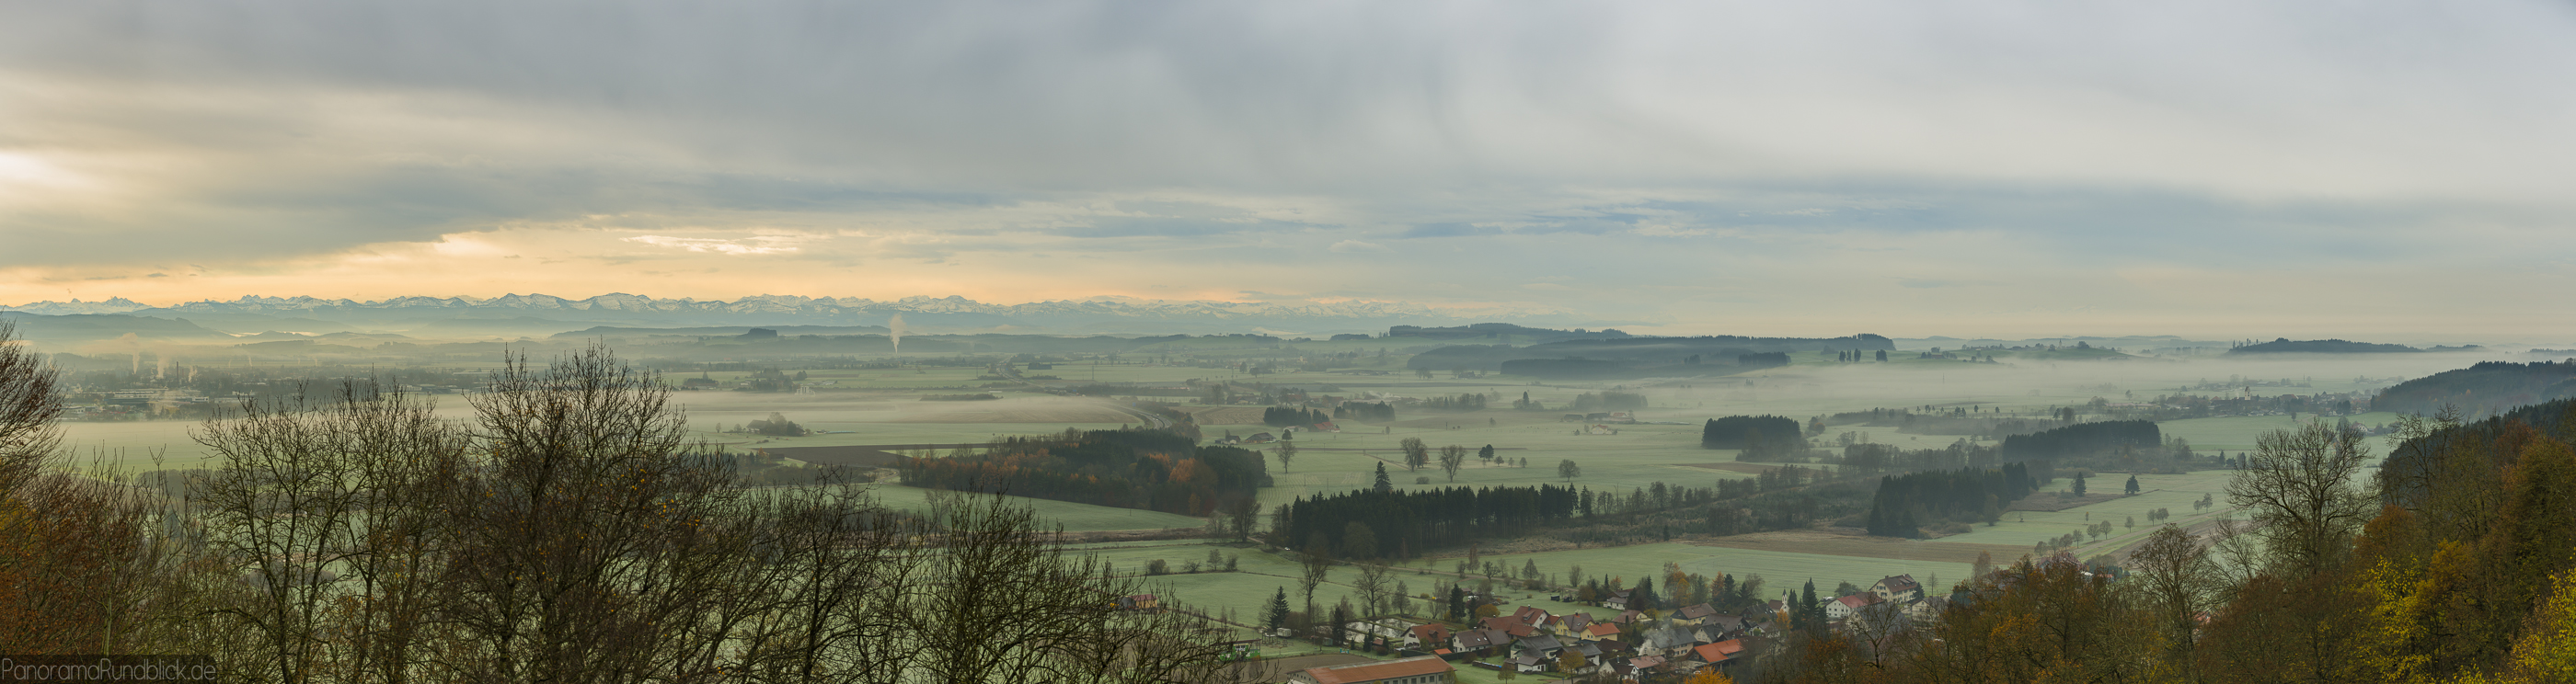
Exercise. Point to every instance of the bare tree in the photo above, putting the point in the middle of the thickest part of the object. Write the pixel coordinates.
(29, 405)
(1317, 562)
(1373, 585)
(312, 488)
(2298, 486)
(1287, 452)
(1416, 454)
(1452, 458)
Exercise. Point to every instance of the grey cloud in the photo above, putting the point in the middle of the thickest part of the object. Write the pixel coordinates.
(1447, 229)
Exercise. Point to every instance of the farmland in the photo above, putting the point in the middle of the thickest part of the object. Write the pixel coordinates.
(876, 406)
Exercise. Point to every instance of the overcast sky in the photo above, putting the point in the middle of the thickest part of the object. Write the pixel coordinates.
(2217, 169)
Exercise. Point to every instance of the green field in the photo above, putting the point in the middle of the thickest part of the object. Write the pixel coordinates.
(1075, 517)
(2237, 433)
(2172, 492)
(882, 406)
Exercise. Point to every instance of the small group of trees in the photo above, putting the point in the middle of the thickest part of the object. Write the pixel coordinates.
(1748, 432)
(1370, 411)
(1463, 402)
(1289, 416)
(776, 426)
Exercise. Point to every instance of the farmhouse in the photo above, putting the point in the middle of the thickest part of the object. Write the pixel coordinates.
(1416, 670)
(1900, 589)
(1842, 608)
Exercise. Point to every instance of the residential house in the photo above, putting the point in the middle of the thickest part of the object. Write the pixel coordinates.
(1599, 631)
(1528, 663)
(1843, 607)
(1723, 626)
(1544, 645)
(1900, 589)
(1641, 667)
(1693, 615)
(1478, 640)
(1590, 651)
(1427, 637)
(1508, 625)
(1928, 610)
(1416, 670)
(1573, 623)
(1721, 654)
(1669, 641)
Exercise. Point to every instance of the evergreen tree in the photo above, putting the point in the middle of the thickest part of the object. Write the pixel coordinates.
(1278, 613)
(2079, 483)
(1386, 485)
(2133, 484)
(1807, 607)
(1457, 604)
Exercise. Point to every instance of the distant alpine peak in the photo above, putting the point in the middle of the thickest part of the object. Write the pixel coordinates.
(1108, 305)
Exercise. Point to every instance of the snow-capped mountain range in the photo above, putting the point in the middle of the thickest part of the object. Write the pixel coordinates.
(1096, 315)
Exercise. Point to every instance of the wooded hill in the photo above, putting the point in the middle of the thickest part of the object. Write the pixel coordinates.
(2485, 388)
(2287, 346)
(1712, 355)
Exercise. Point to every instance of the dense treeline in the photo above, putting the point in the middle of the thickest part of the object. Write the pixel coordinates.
(1285, 416)
(1568, 369)
(2458, 568)
(1127, 468)
(1607, 401)
(1777, 499)
(1371, 411)
(2083, 439)
(1742, 432)
(1907, 502)
(1763, 360)
(1463, 402)
(2486, 387)
(1401, 523)
(568, 530)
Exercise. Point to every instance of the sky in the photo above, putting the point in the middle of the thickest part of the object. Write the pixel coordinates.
(2213, 169)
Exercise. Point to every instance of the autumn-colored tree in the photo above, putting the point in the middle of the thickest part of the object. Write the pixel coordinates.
(2176, 584)
(1571, 662)
(1709, 675)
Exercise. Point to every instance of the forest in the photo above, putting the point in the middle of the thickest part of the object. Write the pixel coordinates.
(2083, 439)
(1144, 468)
(1905, 503)
(2456, 564)
(2485, 387)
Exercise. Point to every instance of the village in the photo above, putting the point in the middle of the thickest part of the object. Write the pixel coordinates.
(1635, 642)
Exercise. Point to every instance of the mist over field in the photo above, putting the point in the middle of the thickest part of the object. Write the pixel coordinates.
(1316, 342)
